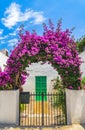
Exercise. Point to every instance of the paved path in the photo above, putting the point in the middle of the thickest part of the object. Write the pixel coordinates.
(71, 127)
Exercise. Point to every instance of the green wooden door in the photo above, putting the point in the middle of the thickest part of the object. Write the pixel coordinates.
(41, 87)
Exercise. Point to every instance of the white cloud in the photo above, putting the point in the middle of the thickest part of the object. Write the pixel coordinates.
(13, 15)
(13, 33)
(2, 42)
(38, 17)
(3, 37)
(12, 42)
(17, 29)
(1, 31)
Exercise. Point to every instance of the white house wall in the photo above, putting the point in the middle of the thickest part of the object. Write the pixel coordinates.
(3, 59)
(82, 68)
(36, 69)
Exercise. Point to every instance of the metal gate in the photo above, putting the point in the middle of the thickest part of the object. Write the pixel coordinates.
(42, 113)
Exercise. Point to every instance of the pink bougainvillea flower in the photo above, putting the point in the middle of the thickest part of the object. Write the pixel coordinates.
(55, 46)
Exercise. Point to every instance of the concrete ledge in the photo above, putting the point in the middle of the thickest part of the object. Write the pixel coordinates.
(70, 127)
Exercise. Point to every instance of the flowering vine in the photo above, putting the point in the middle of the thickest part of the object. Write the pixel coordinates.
(55, 46)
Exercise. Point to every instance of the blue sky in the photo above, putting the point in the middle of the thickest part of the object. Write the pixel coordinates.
(32, 13)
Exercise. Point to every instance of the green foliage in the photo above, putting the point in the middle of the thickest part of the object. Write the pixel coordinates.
(7, 87)
(57, 83)
(83, 83)
(81, 44)
(59, 98)
(59, 101)
(83, 80)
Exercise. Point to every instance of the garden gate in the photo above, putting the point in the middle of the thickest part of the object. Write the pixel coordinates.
(48, 112)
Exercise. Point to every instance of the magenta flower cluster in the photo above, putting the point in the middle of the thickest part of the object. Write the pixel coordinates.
(4, 79)
(55, 46)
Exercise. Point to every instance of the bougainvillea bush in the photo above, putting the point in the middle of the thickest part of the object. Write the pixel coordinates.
(55, 46)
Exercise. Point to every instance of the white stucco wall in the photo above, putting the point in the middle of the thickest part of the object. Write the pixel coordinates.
(3, 59)
(9, 107)
(82, 68)
(75, 106)
(36, 69)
